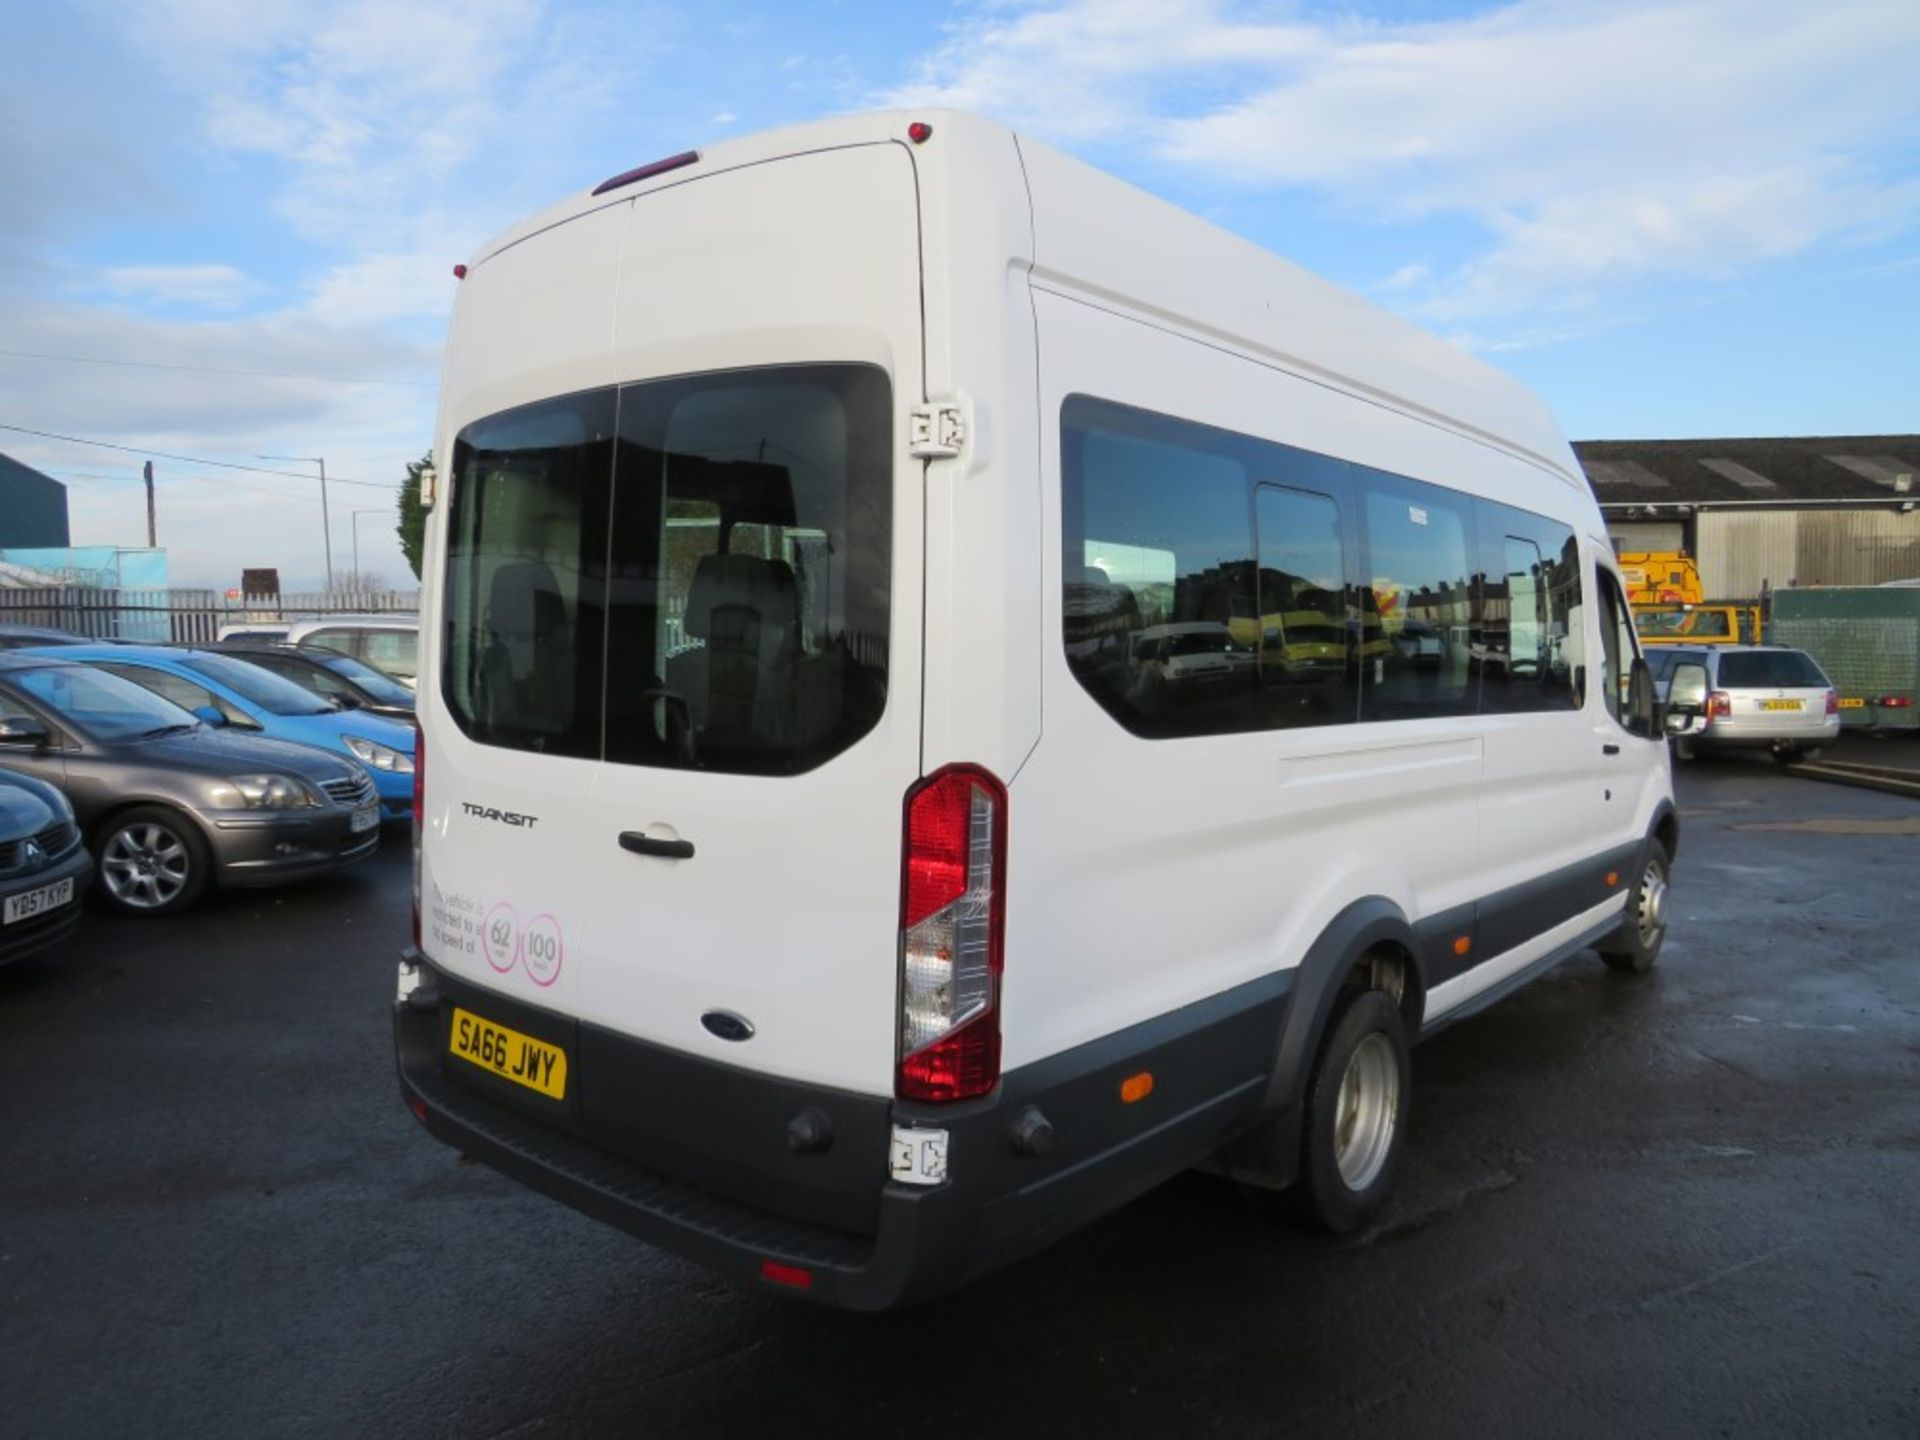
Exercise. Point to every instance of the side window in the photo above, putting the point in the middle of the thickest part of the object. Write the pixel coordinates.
(1415, 664)
(1526, 636)
(1618, 647)
(394, 651)
(1159, 595)
(1302, 645)
(182, 692)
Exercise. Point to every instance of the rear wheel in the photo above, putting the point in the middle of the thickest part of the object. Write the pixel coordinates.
(153, 861)
(1356, 1109)
(1635, 946)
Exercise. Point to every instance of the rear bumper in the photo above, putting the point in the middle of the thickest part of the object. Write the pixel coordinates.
(869, 1242)
(29, 937)
(1748, 734)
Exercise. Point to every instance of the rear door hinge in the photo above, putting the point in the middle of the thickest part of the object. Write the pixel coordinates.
(938, 431)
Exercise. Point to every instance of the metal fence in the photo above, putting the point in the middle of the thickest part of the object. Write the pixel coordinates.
(188, 617)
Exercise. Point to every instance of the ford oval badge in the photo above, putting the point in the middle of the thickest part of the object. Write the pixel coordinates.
(727, 1025)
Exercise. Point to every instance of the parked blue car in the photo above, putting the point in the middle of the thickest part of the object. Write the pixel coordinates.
(222, 690)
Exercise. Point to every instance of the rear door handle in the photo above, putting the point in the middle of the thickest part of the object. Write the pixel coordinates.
(646, 845)
(1609, 749)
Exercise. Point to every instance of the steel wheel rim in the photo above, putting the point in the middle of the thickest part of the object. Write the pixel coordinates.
(145, 866)
(1366, 1112)
(1651, 904)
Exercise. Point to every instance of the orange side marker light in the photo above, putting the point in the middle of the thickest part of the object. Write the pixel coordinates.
(1136, 1088)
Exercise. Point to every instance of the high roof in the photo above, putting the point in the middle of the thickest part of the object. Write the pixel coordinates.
(1809, 470)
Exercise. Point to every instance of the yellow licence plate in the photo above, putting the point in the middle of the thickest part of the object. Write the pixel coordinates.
(1852, 702)
(1780, 704)
(509, 1054)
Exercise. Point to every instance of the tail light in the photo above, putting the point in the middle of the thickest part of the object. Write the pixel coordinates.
(1719, 706)
(952, 919)
(1833, 702)
(419, 819)
(1896, 702)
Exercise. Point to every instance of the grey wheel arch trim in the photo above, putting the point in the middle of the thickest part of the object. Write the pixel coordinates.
(1268, 1157)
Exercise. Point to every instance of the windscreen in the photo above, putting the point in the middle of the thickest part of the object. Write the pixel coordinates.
(690, 573)
(99, 705)
(271, 692)
(377, 683)
(1770, 669)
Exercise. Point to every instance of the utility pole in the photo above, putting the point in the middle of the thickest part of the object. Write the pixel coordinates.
(358, 573)
(326, 516)
(153, 542)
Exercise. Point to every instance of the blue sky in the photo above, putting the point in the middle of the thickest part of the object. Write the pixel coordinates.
(1673, 219)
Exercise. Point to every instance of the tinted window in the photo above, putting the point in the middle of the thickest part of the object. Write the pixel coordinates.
(1618, 648)
(272, 693)
(526, 575)
(1417, 603)
(1770, 669)
(395, 652)
(731, 583)
(1526, 638)
(102, 705)
(1303, 645)
(1160, 603)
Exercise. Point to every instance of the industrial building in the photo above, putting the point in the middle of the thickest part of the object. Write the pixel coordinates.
(1766, 514)
(33, 508)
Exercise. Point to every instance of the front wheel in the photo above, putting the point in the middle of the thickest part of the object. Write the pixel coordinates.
(1635, 946)
(153, 861)
(1356, 1109)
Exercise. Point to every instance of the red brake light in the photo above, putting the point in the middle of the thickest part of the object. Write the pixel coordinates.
(952, 921)
(647, 172)
(1896, 702)
(1719, 703)
(1833, 702)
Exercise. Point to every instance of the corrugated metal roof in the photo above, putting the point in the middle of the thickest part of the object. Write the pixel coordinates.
(1815, 469)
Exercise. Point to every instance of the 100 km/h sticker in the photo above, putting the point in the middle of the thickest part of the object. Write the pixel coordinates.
(508, 1054)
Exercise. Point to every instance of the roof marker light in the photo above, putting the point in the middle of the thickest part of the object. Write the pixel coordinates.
(647, 172)
(459, 272)
(919, 132)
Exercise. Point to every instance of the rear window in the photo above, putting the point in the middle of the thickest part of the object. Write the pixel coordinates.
(1777, 669)
(689, 574)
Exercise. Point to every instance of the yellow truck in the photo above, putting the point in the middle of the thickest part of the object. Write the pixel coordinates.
(1670, 608)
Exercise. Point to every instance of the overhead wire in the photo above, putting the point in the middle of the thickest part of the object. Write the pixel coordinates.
(193, 459)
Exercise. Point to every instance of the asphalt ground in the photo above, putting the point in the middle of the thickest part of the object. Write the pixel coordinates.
(1678, 1205)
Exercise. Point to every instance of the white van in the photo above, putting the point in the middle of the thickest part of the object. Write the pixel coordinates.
(807, 882)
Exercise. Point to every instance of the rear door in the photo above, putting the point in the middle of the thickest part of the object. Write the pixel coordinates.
(1773, 693)
(683, 623)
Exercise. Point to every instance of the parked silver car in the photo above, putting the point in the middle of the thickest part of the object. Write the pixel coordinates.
(1730, 697)
(171, 805)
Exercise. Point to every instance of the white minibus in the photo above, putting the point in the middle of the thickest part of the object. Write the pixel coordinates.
(953, 691)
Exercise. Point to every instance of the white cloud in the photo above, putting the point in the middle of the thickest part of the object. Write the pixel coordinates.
(216, 286)
(1598, 141)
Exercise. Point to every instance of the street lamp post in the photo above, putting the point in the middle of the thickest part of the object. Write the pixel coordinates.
(358, 574)
(326, 519)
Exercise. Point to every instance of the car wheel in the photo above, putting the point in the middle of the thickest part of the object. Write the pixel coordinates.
(152, 861)
(1635, 946)
(1356, 1109)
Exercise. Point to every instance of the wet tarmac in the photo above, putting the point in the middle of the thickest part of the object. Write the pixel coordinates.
(1687, 1204)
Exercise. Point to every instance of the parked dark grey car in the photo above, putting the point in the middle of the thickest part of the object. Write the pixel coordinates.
(330, 675)
(44, 869)
(170, 805)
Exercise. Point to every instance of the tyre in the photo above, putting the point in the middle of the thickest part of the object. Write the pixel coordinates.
(1356, 1111)
(153, 861)
(1635, 946)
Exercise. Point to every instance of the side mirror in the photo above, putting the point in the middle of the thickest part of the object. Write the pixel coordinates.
(23, 732)
(1687, 690)
(211, 714)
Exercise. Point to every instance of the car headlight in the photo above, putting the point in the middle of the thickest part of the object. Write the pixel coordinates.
(380, 757)
(264, 792)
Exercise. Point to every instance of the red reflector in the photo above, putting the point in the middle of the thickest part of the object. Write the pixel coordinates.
(418, 1107)
(459, 272)
(1897, 702)
(647, 172)
(789, 1275)
(957, 1066)
(919, 132)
